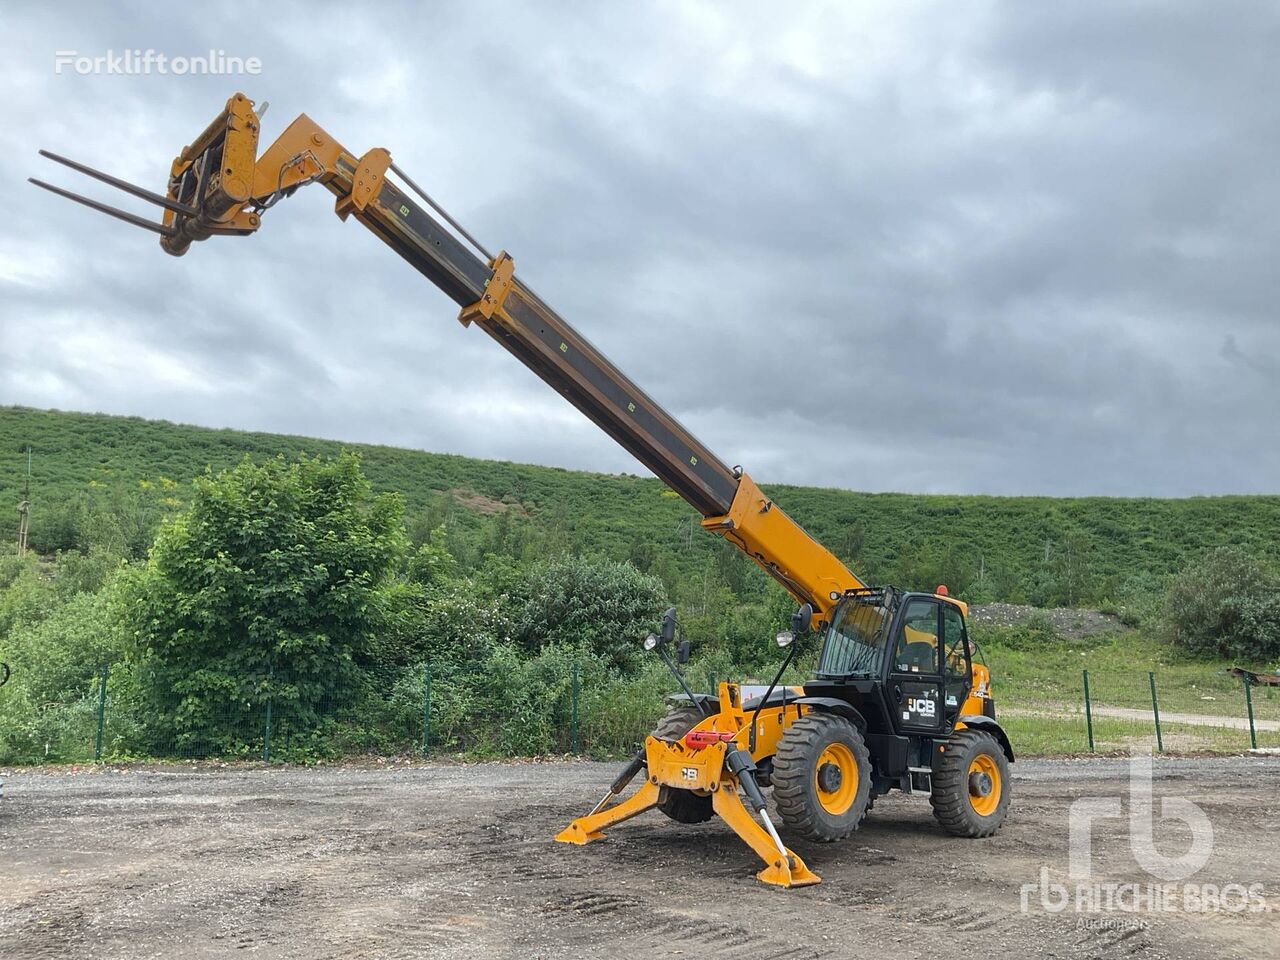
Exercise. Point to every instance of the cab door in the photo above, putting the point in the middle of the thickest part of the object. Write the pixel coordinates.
(957, 665)
(915, 686)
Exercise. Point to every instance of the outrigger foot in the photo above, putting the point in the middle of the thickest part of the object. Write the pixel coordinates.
(784, 874)
(588, 828)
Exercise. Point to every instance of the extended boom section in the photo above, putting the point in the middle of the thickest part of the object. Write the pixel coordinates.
(219, 186)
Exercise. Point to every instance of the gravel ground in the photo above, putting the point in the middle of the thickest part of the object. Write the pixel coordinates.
(456, 861)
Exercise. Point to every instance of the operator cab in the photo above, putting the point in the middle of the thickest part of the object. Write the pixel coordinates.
(901, 659)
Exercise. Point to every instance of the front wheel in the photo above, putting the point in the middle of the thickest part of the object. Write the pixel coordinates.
(822, 777)
(971, 785)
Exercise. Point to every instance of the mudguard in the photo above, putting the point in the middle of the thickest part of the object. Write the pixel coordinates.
(988, 725)
(709, 702)
(840, 708)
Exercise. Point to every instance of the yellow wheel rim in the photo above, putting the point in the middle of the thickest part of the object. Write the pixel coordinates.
(984, 785)
(838, 784)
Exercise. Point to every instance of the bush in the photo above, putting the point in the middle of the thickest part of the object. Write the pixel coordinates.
(1226, 605)
(1136, 600)
(48, 709)
(29, 594)
(271, 585)
(1035, 633)
(450, 623)
(600, 606)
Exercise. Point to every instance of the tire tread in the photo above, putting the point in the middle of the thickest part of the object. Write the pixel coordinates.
(798, 750)
(950, 794)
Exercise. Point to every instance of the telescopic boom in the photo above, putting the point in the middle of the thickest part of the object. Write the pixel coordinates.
(219, 186)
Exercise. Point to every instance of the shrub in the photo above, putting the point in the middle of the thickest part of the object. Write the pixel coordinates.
(48, 709)
(1035, 633)
(450, 623)
(1225, 605)
(601, 606)
(1136, 600)
(29, 594)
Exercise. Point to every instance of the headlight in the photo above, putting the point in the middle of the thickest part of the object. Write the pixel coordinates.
(785, 638)
(651, 641)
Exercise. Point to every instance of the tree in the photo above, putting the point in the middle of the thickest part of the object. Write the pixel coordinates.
(271, 585)
(642, 554)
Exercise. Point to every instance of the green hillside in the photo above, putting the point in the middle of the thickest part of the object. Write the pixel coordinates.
(97, 477)
(511, 615)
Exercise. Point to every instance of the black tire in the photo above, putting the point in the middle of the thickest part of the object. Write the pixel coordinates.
(958, 798)
(683, 806)
(831, 810)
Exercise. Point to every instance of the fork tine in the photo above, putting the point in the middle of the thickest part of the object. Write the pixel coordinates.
(137, 221)
(124, 185)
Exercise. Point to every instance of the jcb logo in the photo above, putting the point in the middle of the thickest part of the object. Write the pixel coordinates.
(923, 707)
(689, 773)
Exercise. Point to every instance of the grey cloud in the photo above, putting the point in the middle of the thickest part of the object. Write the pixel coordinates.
(998, 248)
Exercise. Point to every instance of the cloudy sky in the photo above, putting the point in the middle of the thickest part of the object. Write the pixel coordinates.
(983, 248)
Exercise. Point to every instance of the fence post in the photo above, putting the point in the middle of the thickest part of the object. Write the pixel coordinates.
(266, 730)
(1088, 711)
(102, 712)
(426, 707)
(1155, 710)
(573, 716)
(1248, 700)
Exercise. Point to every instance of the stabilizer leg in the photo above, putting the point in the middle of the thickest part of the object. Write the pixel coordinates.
(588, 828)
(780, 871)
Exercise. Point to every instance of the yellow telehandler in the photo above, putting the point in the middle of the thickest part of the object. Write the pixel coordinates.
(896, 702)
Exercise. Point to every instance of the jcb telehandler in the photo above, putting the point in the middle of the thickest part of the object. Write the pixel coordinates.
(896, 701)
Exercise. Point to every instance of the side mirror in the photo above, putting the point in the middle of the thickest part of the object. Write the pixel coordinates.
(669, 625)
(785, 638)
(801, 619)
(682, 652)
(655, 641)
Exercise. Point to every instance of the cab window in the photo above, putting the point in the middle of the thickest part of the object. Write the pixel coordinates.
(956, 665)
(856, 642)
(916, 650)
(954, 640)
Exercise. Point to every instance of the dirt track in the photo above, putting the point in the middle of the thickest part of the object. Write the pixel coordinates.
(1133, 713)
(456, 861)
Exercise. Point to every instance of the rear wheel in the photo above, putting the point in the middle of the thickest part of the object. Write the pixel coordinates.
(822, 777)
(971, 785)
(683, 806)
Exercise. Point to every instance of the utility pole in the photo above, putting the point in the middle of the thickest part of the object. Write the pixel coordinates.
(24, 509)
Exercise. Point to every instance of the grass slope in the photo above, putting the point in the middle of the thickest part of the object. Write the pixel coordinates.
(80, 456)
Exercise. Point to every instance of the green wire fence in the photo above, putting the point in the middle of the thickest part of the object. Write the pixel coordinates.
(574, 708)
